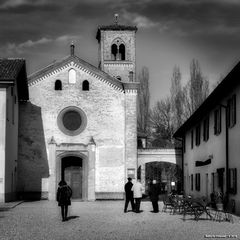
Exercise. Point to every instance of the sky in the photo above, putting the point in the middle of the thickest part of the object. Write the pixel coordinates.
(170, 32)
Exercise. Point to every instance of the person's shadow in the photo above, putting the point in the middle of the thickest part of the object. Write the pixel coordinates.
(72, 217)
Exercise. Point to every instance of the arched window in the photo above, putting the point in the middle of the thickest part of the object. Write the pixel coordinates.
(131, 76)
(119, 78)
(122, 52)
(58, 85)
(85, 85)
(114, 51)
(72, 76)
(118, 50)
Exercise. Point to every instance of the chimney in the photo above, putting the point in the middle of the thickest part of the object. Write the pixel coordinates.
(116, 18)
(72, 49)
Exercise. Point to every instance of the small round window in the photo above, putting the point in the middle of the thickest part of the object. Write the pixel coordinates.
(72, 121)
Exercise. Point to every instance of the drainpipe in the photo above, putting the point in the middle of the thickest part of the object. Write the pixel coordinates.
(227, 158)
(182, 155)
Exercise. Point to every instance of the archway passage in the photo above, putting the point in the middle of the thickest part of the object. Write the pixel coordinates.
(168, 176)
(71, 172)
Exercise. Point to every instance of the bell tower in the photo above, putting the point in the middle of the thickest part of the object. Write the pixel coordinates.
(117, 50)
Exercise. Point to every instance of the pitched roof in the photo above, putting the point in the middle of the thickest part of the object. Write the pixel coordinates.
(222, 90)
(10, 68)
(14, 70)
(90, 68)
(114, 27)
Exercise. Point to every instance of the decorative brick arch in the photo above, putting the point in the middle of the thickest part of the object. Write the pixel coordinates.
(145, 156)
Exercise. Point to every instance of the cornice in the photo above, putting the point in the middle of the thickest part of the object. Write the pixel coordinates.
(76, 62)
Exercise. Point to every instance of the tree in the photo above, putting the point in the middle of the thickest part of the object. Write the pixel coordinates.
(161, 124)
(176, 93)
(170, 113)
(198, 86)
(143, 101)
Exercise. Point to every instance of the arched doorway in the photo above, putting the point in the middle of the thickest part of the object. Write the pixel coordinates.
(168, 176)
(72, 173)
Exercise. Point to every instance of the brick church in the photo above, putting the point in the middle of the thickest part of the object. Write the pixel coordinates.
(71, 120)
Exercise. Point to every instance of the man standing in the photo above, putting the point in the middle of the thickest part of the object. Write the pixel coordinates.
(153, 193)
(128, 194)
(137, 194)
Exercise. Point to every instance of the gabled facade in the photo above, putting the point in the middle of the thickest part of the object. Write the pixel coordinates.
(210, 144)
(13, 90)
(80, 125)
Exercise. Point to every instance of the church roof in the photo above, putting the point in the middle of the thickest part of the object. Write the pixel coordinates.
(9, 68)
(83, 64)
(12, 70)
(114, 27)
(221, 91)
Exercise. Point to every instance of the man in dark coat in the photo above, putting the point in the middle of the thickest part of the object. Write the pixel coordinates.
(153, 193)
(64, 194)
(128, 194)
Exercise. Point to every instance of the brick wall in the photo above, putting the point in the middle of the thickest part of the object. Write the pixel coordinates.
(104, 108)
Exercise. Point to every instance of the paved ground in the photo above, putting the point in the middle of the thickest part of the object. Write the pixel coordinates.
(105, 220)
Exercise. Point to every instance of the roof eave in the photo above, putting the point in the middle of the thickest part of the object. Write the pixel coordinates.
(227, 84)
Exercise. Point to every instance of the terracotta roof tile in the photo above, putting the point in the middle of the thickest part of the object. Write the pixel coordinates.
(9, 68)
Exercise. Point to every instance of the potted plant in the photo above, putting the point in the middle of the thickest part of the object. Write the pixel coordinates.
(219, 200)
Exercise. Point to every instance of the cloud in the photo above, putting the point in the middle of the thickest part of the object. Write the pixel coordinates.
(17, 3)
(20, 48)
(139, 20)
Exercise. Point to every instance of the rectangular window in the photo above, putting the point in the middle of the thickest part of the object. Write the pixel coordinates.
(192, 182)
(197, 181)
(233, 180)
(192, 139)
(206, 129)
(198, 135)
(217, 121)
(231, 111)
(131, 173)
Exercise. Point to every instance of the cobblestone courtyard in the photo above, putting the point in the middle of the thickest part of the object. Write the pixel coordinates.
(105, 220)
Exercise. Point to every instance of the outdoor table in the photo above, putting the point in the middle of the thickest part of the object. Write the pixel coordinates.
(196, 207)
(201, 207)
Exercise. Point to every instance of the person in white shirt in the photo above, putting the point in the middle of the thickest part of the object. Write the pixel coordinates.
(137, 194)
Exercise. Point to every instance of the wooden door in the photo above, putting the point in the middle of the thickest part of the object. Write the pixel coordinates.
(73, 177)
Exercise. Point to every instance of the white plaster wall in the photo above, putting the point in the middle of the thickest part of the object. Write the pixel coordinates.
(3, 102)
(215, 147)
(159, 155)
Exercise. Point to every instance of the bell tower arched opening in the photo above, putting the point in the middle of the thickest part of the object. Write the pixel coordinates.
(117, 50)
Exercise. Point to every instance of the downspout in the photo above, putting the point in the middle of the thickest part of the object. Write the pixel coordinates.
(227, 158)
(182, 155)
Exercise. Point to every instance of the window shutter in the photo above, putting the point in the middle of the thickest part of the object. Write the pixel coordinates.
(234, 110)
(235, 180)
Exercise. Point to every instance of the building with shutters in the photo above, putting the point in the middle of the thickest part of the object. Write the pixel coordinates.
(210, 144)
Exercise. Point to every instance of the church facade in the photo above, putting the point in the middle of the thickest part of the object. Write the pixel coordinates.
(79, 123)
